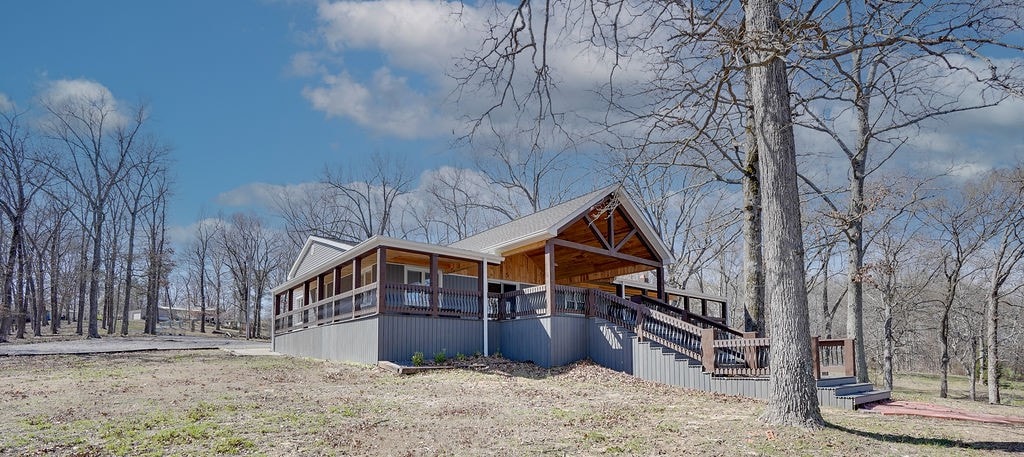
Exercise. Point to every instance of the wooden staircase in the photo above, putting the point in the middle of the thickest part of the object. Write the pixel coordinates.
(675, 347)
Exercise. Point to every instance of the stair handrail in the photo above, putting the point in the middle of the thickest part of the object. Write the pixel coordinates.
(692, 316)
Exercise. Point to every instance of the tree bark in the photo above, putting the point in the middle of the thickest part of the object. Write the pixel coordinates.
(792, 398)
(128, 273)
(753, 260)
(992, 337)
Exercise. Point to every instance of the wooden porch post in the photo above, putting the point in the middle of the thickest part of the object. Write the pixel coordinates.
(549, 275)
(357, 282)
(382, 272)
(337, 280)
(661, 284)
(849, 357)
(815, 358)
(435, 294)
(620, 291)
(707, 349)
(321, 291)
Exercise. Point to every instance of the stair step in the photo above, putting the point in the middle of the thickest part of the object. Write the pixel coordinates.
(833, 382)
(851, 389)
(870, 397)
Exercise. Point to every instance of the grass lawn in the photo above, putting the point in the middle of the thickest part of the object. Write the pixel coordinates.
(211, 402)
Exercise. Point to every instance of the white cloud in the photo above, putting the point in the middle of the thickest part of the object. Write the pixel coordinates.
(5, 103)
(304, 64)
(386, 104)
(414, 34)
(84, 95)
(265, 196)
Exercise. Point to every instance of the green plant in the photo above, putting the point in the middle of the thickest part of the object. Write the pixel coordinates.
(460, 357)
(417, 359)
(496, 354)
(440, 357)
(477, 354)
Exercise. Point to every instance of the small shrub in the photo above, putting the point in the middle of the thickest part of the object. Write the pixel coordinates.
(440, 357)
(417, 359)
(496, 354)
(460, 357)
(477, 354)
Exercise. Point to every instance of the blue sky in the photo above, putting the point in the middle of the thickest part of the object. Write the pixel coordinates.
(257, 95)
(218, 77)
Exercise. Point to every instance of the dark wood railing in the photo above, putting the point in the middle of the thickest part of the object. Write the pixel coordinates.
(722, 350)
(833, 357)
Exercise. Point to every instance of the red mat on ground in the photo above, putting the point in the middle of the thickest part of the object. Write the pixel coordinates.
(908, 408)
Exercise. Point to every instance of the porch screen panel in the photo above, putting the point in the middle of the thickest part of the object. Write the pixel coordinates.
(459, 282)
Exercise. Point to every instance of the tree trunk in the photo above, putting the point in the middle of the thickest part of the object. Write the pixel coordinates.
(7, 307)
(202, 295)
(992, 339)
(855, 258)
(108, 290)
(129, 264)
(753, 260)
(94, 270)
(20, 293)
(55, 281)
(83, 278)
(887, 339)
(792, 398)
(944, 358)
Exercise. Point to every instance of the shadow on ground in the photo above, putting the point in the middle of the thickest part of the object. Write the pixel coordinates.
(1004, 446)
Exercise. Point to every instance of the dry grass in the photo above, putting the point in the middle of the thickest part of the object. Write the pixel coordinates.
(210, 402)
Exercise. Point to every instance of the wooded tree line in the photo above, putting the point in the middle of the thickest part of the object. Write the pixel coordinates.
(84, 192)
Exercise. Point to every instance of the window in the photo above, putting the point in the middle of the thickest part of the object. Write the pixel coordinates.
(417, 276)
(369, 275)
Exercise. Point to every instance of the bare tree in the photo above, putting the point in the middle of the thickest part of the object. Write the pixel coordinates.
(367, 198)
(97, 142)
(21, 178)
(1009, 250)
(961, 225)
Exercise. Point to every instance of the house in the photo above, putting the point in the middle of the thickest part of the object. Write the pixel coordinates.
(553, 287)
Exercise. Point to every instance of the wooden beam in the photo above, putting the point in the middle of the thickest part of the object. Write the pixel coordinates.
(593, 228)
(549, 274)
(611, 229)
(624, 239)
(661, 284)
(434, 293)
(382, 273)
(646, 244)
(357, 282)
(482, 287)
(605, 252)
(337, 280)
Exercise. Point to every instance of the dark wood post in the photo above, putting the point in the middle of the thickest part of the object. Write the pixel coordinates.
(815, 358)
(849, 360)
(482, 287)
(704, 307)
(435, 294)
(686, 303)
(321, 291)
(707, 349)
(382, 273)
(620, 291)
(337, 280)
(357, 282)
(549, 275)
(661, 284)
(725, 311)
(750, 352)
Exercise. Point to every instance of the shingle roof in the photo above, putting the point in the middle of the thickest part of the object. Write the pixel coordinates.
(534, 224)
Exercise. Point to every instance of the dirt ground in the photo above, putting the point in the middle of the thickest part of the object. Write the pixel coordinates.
(211, 402)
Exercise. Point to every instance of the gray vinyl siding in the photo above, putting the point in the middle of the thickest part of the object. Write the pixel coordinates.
(401, 336)
(568, 339)
(527, 340)
(353, 341)
(317, 255)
